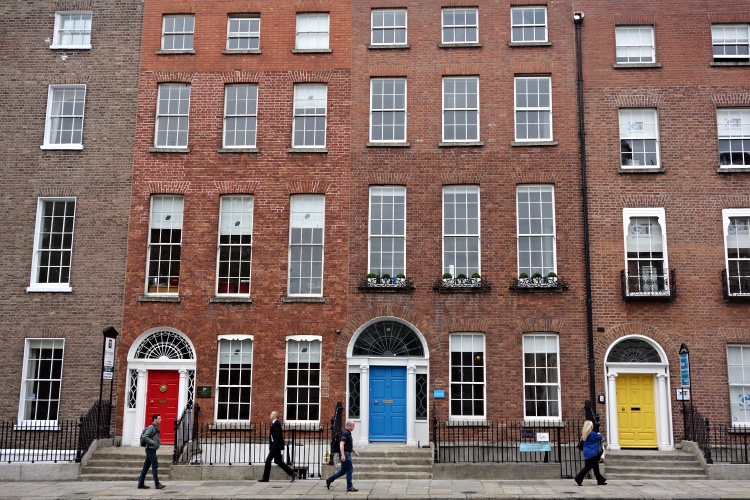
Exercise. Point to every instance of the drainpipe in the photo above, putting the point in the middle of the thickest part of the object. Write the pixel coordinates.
(578, 21)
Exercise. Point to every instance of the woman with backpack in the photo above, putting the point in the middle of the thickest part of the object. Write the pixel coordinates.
(591, 441)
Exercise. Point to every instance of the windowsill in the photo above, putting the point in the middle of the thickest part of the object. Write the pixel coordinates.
(467, 423)
(48, 289)
(32, 426)
(389, 46)
(462, 45)
(641, 170)
(237, 150)
(174, 52)
(240, 51)
(388, 144)
(307, 150)
(232, 425)
(230, 299)
(70, 47)
(159, 298)
(305, 426)
(543, 423)
(168, 150)
(517, 144)
(732, 170)
(311, 51)
(729, 63)
(530, 44)
(739, 428)
(314, 300)
(636, 65)
(61, 147)
(461, 144)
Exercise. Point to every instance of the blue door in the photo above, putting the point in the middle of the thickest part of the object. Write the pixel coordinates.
(387, 403)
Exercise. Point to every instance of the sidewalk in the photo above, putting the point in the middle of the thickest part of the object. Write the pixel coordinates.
(382, 490)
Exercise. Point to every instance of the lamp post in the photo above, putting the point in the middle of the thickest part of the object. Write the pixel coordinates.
(109, 335)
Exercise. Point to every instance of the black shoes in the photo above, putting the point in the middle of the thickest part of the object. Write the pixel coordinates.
(294, 476)
(143, 487)
(160, 486)
(328, 484)
(262, 480)
(352, 489)
(601, 483)
(579, 483)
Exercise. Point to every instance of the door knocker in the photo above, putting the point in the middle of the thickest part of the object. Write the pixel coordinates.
(163, 387)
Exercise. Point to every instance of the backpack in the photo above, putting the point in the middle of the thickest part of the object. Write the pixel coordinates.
(144, 435)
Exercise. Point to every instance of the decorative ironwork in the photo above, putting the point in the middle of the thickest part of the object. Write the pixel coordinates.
(649, 284)
(386, 284)
(421, 382)
(191, 386)
(354, 393)
(633, 351)
(452, 285)
(164, 344)
(736, 288)
(388, 338)
(133, 389)
(538, 284)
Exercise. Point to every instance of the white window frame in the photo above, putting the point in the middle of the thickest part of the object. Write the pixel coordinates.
(627, 48)
(737, 41)
(248, 112)
(743, 384)
(238, 340)
(556, 385)
(639, 124)
(49, 424)
(311, 340)
(534, 25)
(466, 26)
(35, 285)
(171, 115)
(454, 337)
(306, 211)
(170, 224)
(235, 218)
(458, 108)
(299, 90)
(84, 31)
(660, 214)
(383, 110)
(529, 189)
(185, 34)
(57, 114)
(744, 280)
(733, 125)
(464, 216)
(372, 238)
(313, 39)
(250, 34)
(394, 27)
(539, 108)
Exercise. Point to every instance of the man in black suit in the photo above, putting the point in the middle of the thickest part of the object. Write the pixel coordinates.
(276, 442)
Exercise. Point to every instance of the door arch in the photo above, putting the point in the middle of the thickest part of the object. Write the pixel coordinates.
(642, 367)
(388, 354)
(162, 361)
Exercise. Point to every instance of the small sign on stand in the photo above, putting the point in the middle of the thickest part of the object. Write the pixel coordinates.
(683, 394)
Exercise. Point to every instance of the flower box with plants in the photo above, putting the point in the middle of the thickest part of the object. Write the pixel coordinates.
(462, 283)
(385, 282)
(537, 282)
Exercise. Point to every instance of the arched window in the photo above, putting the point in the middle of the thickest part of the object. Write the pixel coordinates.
(164, 344)
(633, 351)
(388, 338)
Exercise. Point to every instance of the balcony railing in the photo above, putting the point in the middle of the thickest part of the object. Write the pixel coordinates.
(386, 284)
(656, 284)
(736, 288)
(538, 284)
(451, 285)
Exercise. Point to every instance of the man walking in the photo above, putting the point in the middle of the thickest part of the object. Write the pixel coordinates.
(276, 447)
(346, 447)
(153, 442)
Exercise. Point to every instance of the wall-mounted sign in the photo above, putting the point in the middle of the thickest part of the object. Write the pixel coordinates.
(109, 359)
(527, 433)
(529, 447)
(203, 391)
(542, 437)
(685, 369)
(438, 394)
(683, 394)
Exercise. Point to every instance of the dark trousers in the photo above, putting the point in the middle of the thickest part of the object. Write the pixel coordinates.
(274, 454)
(153, 462)
(591, 464)
(346, 468)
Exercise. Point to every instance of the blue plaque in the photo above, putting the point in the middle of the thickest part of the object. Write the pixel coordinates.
(438, 394)
(685, 369)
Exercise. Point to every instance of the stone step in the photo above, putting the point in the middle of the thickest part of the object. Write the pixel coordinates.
(655, 471)
(641, 477)
(122, 476)
(390, 461)
(390, 475)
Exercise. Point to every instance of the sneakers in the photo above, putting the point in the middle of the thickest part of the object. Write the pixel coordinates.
(161, 486)
(328, 484)
(143, 487)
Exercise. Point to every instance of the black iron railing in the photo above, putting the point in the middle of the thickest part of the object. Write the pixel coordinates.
(386, 284)
(735, 288)
(94, 425)
(458, 285)
(649, 284)
(719, 443)
(185, 433)
(508, 441)
(538, 284)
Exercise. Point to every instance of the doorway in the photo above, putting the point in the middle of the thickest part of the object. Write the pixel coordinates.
(636, 414)
(388, 403)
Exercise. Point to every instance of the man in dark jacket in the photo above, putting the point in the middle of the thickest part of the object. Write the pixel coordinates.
(153, 442)
(276, 442)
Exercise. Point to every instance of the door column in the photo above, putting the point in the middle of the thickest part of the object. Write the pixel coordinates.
(411, 404)
(663, 434)
(140, 406)
(364, 405)
(182, 389)
(613, 438)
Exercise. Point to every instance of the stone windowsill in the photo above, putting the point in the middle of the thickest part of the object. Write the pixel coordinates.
(237, 150)
(462, 45)
(530, 44)
(517, 144)
(169, 150)
(311, 51)
(636, 65)
(232, 425)
(641, 170)
(389, 46)
(460, 144)
(467, 423)
(230, 299)
(240, 51)
(388, 144)
(174, 52)
(159, 298)
(307, 150)
(62, 147)
(723, 169)
(542, 423)
(729, 63)
(314, 300)
(48, 289)
(70, 47)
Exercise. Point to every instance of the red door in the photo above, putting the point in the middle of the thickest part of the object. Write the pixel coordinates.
(162, 393)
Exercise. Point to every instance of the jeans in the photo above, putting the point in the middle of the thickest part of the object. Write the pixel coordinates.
(346, 468)
(591, 464)
(153, 462)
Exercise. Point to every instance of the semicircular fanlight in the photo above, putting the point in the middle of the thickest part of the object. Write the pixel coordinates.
(388, 338)
(164, 344)
(633, 351)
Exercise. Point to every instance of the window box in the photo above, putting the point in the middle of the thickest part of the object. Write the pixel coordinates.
(653, 284)
(538, 284)
(386, 284)
(458, 285)
(736, 288)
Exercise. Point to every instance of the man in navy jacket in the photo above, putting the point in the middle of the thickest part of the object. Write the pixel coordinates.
(276, 442)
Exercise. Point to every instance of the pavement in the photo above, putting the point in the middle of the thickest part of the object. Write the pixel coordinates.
(418, 489)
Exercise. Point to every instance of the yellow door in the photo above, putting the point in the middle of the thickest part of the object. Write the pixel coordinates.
(636, 418)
